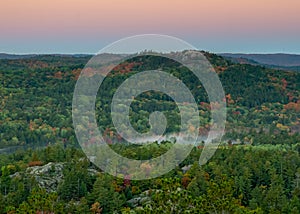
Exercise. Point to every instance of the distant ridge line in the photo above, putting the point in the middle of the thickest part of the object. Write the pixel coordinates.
(276, 59)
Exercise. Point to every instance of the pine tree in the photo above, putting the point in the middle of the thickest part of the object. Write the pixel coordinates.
(104, 193)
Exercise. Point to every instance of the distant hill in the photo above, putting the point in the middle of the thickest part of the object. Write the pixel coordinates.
(28, 56)
(15, 56)
(277, 61)
(36, 97)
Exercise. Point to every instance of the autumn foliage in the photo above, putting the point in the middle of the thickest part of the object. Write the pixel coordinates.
(35, 163)
(293, 106)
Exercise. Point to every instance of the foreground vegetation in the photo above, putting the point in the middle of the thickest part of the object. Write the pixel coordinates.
(238, 179)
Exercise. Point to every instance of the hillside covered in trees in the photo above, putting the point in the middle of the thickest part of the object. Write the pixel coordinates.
(43, 170)
(36, 97)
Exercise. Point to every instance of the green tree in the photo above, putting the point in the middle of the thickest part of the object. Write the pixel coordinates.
(104, 193)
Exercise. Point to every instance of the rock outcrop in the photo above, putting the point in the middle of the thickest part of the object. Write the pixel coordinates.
(47, 176)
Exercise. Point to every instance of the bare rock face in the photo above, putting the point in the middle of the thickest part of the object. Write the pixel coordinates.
(47, 176)
(143, 198)
(186, 168)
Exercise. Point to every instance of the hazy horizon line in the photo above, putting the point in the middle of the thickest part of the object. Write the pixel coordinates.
(85, 53)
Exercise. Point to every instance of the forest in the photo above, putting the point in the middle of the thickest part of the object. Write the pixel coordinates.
(256, 168)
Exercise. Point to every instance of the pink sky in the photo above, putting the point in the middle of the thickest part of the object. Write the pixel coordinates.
(32, 24)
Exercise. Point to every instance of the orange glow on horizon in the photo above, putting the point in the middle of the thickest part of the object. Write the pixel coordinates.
(68, 26)
(70, 17)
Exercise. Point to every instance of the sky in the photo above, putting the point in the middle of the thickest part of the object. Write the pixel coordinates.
(86, 26)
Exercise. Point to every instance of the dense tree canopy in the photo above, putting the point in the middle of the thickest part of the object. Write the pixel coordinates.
(43, 170)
